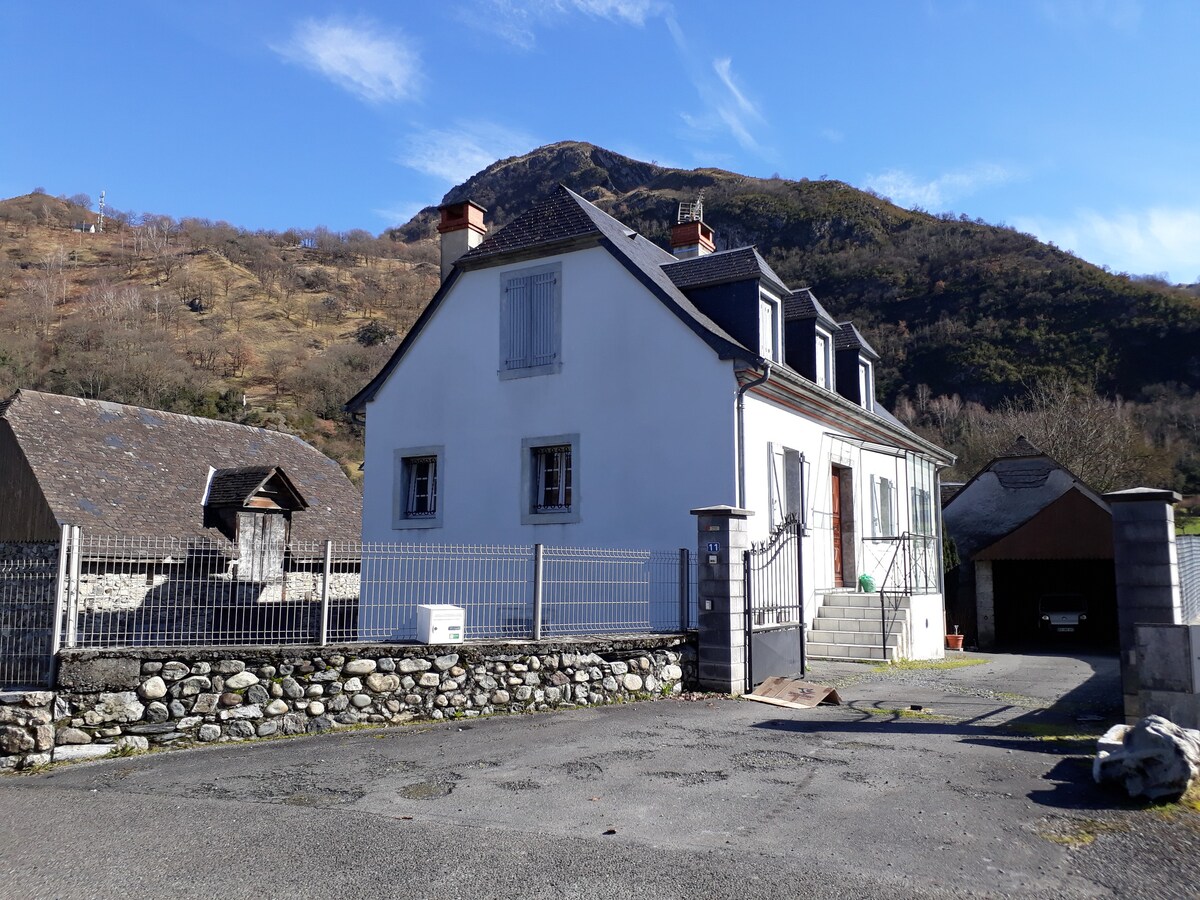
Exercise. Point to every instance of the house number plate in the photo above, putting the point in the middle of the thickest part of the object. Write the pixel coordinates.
(714, 547)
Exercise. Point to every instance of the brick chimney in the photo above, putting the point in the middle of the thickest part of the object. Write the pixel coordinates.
(690, 239)
(462, 229)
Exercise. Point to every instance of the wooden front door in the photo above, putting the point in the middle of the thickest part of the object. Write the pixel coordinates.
(836, 479)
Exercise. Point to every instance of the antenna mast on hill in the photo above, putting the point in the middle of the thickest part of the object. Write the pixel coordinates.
(100, 224)
(692, 212)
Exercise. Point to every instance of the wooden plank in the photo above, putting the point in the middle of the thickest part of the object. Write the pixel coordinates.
(793, 693)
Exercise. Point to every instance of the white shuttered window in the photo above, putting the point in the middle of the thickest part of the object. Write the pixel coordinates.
(530, 331)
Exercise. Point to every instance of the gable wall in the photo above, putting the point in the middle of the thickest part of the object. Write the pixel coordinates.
(652, 404)
(24, 513)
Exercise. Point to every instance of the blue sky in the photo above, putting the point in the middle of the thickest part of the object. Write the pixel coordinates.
(1075, 120)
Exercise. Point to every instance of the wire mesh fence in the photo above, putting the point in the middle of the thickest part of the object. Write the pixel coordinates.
(127, 592)
(28, 583)
(1187, 550)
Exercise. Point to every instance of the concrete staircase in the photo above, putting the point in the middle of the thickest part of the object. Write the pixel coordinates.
(848, 626)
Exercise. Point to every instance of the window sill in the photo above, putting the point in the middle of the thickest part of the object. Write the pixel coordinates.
(530, 371)
(555, 518)
(417, 522)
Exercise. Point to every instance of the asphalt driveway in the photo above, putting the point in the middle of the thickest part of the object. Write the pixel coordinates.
(984, 790)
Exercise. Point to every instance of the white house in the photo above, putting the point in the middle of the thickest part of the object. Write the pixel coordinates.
(574, 384)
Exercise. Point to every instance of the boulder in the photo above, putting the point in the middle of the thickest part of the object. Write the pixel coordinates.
(1155, 758)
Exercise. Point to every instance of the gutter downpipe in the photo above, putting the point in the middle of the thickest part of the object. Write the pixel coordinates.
(741, 432)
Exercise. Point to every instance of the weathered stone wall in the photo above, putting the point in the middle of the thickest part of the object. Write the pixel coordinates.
(107, 700)
(26, 728)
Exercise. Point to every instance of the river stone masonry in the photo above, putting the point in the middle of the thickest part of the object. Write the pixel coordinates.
(156, 697)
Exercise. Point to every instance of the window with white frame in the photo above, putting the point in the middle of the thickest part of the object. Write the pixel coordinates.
(530, 322)
(787, 485)
(416, 493)
(866, 385)
(824, 359)
(549, 468)
(883, 507)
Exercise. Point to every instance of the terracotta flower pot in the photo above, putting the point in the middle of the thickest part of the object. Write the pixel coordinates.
(954, 641)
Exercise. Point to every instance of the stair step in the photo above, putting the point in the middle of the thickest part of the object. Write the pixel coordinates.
(821, 650)
(852, 638)
(836, 623)
(864, 600)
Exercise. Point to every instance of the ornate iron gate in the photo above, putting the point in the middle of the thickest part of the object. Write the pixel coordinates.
(774, 605)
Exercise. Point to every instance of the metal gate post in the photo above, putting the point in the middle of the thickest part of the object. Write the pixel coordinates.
(323, 638)
(73, 587)
(537, 592)
(748, 581)
(685, 570)
(60, 593)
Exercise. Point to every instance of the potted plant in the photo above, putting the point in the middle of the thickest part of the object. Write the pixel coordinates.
(954, 641)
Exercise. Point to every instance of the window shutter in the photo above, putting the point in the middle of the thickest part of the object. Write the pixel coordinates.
(518, 311)
(791, 477)
(542, 319)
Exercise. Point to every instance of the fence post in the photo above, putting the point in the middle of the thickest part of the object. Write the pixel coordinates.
(537, 592)
(685, 575)
(323, 638)
(60, 594)
(73, 587)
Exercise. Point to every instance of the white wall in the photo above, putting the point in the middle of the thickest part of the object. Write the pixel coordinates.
(652, 404)
(770, 427)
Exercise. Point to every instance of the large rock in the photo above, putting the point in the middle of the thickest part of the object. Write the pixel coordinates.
(1155, 758)
(121, 706)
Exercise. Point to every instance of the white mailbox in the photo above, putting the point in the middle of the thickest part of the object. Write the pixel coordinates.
(440, 624)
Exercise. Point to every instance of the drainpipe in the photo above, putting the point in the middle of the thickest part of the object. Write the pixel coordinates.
(741, 432)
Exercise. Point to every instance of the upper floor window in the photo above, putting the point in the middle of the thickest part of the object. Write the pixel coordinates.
(824, 360)
(866, 386)
(768, 328)
(530, 322)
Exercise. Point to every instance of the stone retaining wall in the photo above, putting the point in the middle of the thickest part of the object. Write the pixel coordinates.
(135, 699)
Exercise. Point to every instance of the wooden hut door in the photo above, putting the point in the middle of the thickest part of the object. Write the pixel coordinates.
(262, 538)
(836, 479)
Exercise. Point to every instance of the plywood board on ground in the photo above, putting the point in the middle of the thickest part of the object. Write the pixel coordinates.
(779, 690)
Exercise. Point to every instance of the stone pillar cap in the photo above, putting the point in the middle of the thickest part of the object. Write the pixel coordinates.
(1162, 495)
(722, 510)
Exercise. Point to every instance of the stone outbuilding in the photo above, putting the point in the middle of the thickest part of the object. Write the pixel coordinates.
(1035, 552)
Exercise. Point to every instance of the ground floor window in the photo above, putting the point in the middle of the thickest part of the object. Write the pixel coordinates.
(416, 502)
(550, 473)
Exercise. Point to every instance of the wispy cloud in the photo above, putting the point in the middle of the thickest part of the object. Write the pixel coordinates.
(455, 154)
(358, 57)
(399, 213)
(832, 135)
(906, 189)
(1154, 241)
(1120, 15)
(517, 22)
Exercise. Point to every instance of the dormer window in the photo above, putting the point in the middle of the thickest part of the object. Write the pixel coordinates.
(824, 366)
(866, 385)
(768, 327)
(254, 506)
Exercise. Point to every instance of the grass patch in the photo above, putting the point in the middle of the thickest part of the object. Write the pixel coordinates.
(1054, 731)
(925, 665)
(1075, 833)
(901, 713)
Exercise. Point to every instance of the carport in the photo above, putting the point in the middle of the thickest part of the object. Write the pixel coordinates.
(1033, 585)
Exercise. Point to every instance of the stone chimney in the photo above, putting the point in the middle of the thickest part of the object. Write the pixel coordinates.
(462, 229)
(691, 239)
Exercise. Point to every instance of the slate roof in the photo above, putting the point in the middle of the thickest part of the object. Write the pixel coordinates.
(803, 304)
(850, 338)
(129, 471)
(1022, 447)
(727, 266)
(557, 218)
(233, 487)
